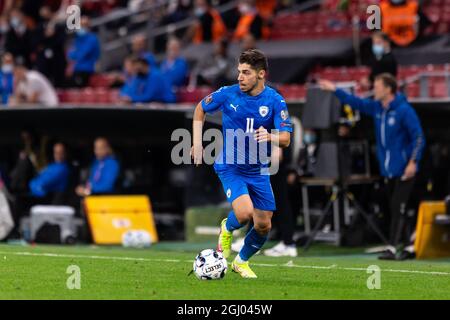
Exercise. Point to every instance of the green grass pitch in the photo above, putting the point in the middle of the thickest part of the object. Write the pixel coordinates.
(160, 272)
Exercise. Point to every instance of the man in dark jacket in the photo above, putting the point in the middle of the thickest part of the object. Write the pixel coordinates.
(383, 61)
(400, 143)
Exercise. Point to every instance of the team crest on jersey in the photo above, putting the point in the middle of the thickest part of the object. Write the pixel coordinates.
(284, 114)
(263, 111)
(208, 99)
(228, 193)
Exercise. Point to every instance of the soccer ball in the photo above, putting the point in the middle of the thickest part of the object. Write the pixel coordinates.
(210, 265)
(136, 239)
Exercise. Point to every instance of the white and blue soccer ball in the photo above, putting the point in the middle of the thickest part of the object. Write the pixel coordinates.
(210, 265)
(136, 239)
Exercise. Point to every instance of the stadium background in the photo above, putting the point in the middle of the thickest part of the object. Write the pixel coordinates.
(304, 41)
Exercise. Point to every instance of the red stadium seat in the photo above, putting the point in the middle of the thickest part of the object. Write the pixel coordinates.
(73, 96)
(413, 90)
(192, 95)
(100, 80)
(87, 96)
(102, 96)
(292, 92)
(438, 87)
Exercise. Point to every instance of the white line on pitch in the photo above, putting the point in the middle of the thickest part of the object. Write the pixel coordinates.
(290, 264)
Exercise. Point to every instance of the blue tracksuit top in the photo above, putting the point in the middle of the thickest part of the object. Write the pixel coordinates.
(85, 52)
(151, 88)
(176, 71)
(54, 178)
(103, 175)
(6, 86)
(399, 135)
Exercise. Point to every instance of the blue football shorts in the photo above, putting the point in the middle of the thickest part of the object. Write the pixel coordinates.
(235, 183)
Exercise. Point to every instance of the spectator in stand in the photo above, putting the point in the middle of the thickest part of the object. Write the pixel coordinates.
(28, 161)
(209, 25)
(6, 77)
(32, 87)
(84, 54)
(216, 70)
(51, 59)
(20, 41)
(248, 42)
(146, 85)
(120, 78)
(54, 178)
(174, 67)
(382, 61)
(266, 8)
(247, 20)
(177, 11)
(104, 171)
(401, 20)
(139, 49)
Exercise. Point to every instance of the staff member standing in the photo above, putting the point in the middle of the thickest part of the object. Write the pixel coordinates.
(400, 143)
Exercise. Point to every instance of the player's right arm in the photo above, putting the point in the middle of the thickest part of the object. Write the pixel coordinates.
(197, 132)
(209, 104)
(366, 106)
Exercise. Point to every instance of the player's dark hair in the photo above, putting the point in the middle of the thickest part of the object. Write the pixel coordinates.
(255, 58)
(388, 81)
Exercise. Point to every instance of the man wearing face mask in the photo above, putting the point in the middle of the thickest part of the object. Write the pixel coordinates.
(50, 55)
(249, 21)
(6, 77)
(20, 41)
(209, 25)
(383, 61)
(146, 85)
(84, 54)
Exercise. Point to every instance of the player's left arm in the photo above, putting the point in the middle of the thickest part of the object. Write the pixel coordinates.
(281, 139)
(281, 122)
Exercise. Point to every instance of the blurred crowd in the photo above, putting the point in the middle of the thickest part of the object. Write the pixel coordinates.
(39, 53)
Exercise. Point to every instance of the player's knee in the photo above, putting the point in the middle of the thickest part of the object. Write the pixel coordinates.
(244, 215)
(263, 227)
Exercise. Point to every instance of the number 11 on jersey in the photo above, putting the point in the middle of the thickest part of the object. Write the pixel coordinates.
(250, 123)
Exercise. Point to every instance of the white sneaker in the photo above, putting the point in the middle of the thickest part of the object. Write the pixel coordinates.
(281, 250)
(237, 245)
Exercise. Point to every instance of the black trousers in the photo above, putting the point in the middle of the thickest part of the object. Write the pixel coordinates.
(398, 194)
(284, 214)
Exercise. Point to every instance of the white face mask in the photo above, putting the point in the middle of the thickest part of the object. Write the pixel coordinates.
(199, 11)
(7, 68)
(244, 8)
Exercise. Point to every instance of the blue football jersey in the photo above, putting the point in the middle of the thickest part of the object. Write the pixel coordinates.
(242, 115)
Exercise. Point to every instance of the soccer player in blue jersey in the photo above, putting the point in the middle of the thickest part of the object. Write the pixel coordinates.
(250, 109)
